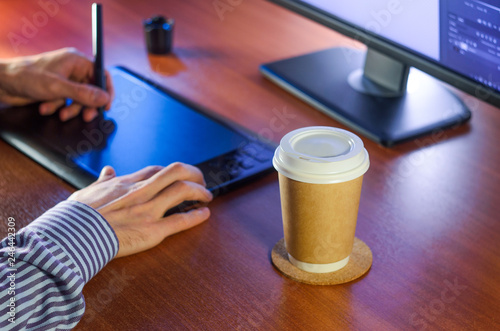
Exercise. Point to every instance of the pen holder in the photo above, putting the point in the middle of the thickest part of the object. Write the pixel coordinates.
(159, 33)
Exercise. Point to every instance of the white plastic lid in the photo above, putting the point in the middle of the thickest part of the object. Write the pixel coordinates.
(321, 155)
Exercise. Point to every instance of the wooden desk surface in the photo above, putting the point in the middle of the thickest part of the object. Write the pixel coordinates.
(429, 209)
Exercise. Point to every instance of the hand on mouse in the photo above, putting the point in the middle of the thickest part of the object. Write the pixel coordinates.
(51, 78)
(134, 204)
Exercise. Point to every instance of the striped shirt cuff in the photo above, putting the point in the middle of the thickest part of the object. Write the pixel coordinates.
(82, 233)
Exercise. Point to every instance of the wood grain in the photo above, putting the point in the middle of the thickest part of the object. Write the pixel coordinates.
(429, 208)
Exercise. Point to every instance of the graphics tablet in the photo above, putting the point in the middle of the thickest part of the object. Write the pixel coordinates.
(147, 125)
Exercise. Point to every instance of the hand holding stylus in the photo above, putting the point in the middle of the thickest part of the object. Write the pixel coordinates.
(51, 78)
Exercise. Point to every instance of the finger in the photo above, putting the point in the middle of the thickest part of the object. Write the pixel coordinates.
(152, 186)
(85, 94)
(135, 239)
(142, 174)
(70, 111)
(182, 221)
(176, 171)
(99, 193)
(175, 194)
(107, 173)
(50, 107)
(147, 189)
(89, 114)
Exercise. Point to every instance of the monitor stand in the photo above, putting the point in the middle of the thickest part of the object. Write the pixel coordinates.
(386, 100)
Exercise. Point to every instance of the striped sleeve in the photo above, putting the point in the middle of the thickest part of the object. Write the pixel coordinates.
(42, 272)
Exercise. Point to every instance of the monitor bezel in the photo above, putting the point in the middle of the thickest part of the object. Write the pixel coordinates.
(394, 50)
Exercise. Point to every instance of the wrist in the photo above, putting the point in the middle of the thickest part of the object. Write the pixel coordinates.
(6, 70)
(11, 70)
(81, 233)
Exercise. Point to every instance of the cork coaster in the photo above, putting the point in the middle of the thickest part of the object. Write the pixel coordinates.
(359, 263)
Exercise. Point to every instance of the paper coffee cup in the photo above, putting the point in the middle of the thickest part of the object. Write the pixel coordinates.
(320, 175)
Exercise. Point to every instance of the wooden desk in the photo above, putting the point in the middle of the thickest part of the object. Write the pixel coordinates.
(429, 209)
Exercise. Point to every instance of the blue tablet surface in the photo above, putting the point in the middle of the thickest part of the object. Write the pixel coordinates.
(147, 125)
(151, 127)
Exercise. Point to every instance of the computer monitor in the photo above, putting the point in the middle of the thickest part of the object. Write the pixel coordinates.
(391, 92)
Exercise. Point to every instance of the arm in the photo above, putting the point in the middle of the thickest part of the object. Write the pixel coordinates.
(54, 257)
(63, 249)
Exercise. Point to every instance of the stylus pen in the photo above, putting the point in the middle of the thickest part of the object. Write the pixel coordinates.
(97, 49)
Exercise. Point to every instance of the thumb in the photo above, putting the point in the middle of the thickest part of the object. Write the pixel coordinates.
(106, 174)
(85, 94)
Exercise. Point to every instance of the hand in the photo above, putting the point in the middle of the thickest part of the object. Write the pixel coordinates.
(134, 204)
(51, 78)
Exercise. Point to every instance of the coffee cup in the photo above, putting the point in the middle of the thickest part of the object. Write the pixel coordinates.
(321, 172)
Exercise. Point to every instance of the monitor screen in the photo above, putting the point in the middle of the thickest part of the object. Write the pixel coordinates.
(417, 44)
(461, 35)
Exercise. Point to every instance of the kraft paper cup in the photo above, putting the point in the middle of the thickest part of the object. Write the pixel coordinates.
(320, 175)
